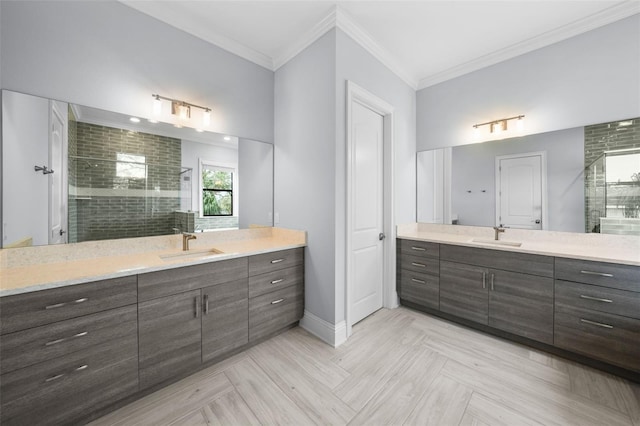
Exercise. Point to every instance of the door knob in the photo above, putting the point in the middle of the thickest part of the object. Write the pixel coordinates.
(538, 221)
(381, 236)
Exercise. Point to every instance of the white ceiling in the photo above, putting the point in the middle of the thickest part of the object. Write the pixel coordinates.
(424, 42)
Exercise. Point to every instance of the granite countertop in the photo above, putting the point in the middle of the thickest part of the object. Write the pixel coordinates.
(38, 268)
(619, 249)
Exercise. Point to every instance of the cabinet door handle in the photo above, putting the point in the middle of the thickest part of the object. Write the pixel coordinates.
(64, 339)
(597, 299)
(277, 260)
(492, 279)
(60, 305)
(420, 265)
(196, 306)
(205, 300)
(415, 280)
(484, 280)
(275, 302)
(277, 281)
(418, 248)
(599, 274)
(598, 324)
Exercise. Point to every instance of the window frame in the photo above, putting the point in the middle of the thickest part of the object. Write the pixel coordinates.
(227, 167)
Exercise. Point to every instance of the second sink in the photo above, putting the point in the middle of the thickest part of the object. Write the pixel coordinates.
(190, 254)
(496, 242)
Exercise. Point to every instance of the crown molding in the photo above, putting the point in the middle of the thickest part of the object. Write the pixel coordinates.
(607, 16)
(307, 39)
(203, 33)
(353, 30)
(338, 18)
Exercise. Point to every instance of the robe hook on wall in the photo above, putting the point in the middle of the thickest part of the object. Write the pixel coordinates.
(44, 169)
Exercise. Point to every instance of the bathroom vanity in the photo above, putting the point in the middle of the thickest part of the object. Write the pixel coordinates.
(564, 301)
(71, 350)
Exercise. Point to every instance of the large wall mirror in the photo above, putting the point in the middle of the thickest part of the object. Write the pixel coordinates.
(584, 179)
(71, 173)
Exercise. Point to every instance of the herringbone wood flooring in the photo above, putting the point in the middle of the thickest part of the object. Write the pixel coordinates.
(398, 367)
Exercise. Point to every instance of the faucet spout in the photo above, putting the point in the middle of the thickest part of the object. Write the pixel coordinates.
(498, 230)
(185, 240)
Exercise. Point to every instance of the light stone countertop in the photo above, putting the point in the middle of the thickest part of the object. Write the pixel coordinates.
(621, 249)
(37, 268)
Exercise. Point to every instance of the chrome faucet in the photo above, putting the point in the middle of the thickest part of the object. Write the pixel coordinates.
(185, 240)
(498, 230)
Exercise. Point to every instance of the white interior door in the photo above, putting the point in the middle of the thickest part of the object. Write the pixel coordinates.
(367, 250)
(57, 179)
(519, 191)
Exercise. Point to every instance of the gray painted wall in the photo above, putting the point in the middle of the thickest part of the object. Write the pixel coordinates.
(473, 168)
(106, 55)
(591, 78)
(305, 164)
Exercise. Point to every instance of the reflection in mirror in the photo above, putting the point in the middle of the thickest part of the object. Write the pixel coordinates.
(113, 176)
(537, 181)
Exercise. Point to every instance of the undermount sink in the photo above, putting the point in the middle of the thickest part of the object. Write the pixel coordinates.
(191, 254)
(496, 242)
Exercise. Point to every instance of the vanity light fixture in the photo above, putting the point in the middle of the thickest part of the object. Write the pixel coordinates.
(181, 109)
(499, 126)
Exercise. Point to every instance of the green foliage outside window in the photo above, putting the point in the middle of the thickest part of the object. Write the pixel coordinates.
(217, 193)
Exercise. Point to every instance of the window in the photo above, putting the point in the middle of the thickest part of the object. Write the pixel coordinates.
(130, 166)
(217, 190)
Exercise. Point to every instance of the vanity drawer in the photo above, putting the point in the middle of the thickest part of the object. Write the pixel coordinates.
(173, 281)
(273, 311)
(423, 265)
(599, 335)
(28, 310)
(269, 262)
(28, 347)
(603, 299)
(62, 390)
(419, 248)
(525, 263)
(421, 289)
(264, 283)
(613, 275)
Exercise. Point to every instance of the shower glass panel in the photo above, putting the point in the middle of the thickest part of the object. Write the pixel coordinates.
(124, 198)
(612, 193)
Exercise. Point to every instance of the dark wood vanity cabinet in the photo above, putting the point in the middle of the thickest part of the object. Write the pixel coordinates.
(276, 292)
(517, 299)
(597, 311)
(68, 351)
(418, 272)
(181, 314)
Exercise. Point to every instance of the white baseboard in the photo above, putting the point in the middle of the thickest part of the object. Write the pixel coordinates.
(334, 335)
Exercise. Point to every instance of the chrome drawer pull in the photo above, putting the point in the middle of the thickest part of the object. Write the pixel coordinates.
(206, 303)
(600, 274)
(275, 302)
(64, 339)
(277, 281)
(484, 280)
(418, 264)
(277, 260)
(597, 299)
(599, 324)
(415, 280)
(52, 378)
(61, 375)
(60, 305)
(418, 248)
(492, 279)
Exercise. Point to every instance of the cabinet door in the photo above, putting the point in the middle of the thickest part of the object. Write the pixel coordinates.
(521, 304)
(170, 340)
(225, 318)
(464, 292)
